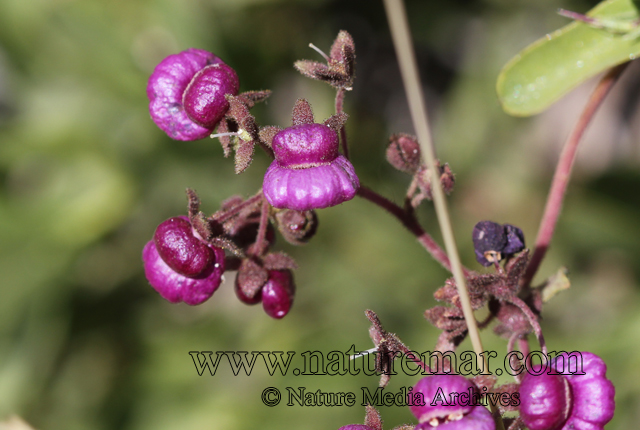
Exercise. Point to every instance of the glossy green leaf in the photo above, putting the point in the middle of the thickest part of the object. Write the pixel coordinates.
(552, 66)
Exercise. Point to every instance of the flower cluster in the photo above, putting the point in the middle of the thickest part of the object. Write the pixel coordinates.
(191, 94)
(194, 92)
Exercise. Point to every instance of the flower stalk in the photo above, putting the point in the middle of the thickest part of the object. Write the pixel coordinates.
(397, 17)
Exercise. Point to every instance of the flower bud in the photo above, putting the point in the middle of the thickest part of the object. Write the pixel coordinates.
(297, 227)
(489, 240)
(249, 282)
(403, 153)
(277, 293)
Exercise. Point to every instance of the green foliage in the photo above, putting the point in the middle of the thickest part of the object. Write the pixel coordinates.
(553, 65)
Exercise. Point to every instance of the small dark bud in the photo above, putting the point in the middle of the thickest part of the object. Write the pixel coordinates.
(515, 240)
(249, 282)
(297, 227)
(489, 241)
(403, 153)
(447, 179)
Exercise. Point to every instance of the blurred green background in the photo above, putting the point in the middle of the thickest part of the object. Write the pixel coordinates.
(86, 343)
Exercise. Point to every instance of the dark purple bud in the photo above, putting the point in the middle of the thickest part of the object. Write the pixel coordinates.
(403, 153)
(277, 293)
(297, 227)
(489, 240)
(515, 240)
(204, 99)
(180, 249)
(166, 89)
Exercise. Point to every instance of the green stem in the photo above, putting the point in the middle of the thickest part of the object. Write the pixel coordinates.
(406, 58)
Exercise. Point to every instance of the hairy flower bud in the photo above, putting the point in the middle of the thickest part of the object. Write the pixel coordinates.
(297, 227)
(250, 279)
(403, 153)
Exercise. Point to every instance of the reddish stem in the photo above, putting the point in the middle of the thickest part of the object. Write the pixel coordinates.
(260, 245)
(563, 172)
(408, 219)
(343, 131)
(533, 320)
(224, 216)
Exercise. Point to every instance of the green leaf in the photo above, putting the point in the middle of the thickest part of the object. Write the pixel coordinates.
(552, 66)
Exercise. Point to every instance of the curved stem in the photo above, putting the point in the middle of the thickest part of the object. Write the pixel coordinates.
(343, 131)
(563, 172)
(226, 215)
(260, 244)
(403, 44)
(533, 320)
(409, 220)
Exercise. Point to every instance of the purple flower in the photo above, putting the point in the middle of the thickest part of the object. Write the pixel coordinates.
(515, 240)
(568, 400)
(308, 172)
(181, 267)
(187, 93)
(459, 412)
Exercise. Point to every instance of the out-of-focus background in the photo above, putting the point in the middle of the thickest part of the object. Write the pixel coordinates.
(85, 176)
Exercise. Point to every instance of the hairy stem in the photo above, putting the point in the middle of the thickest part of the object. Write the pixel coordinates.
(408, 219)
(260, 245)
(533, 320)
(562, 174)
(226, 215)
(343, 131)
(406, 58)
